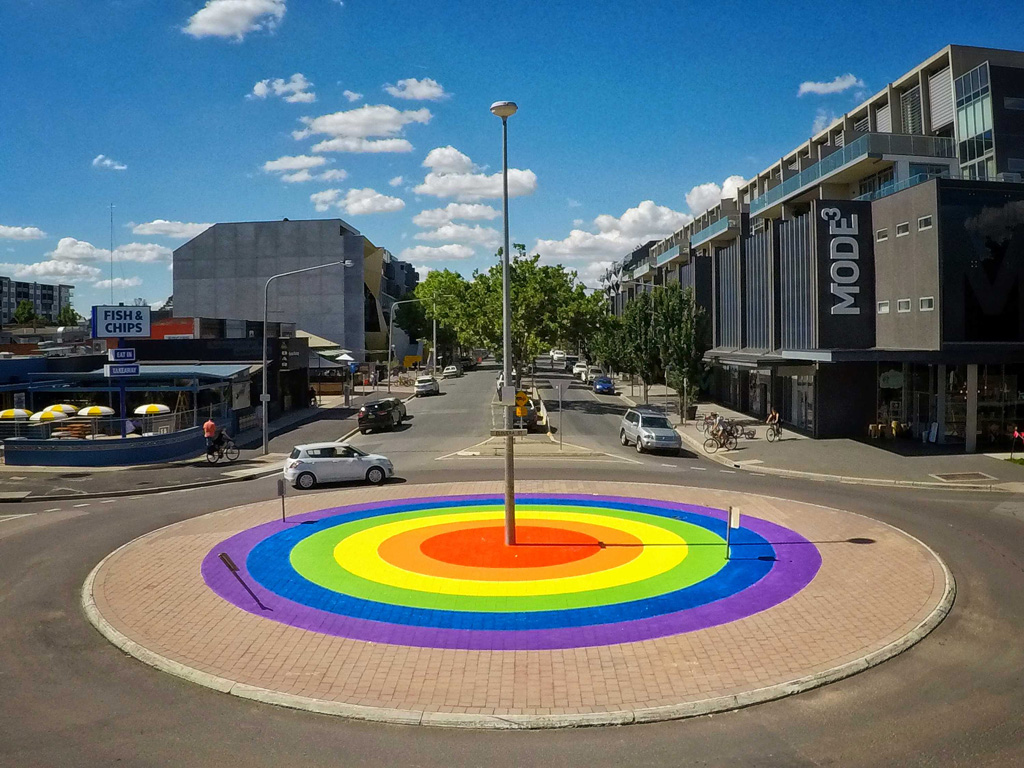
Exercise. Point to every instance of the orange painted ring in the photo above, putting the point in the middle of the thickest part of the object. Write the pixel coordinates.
(404, 551)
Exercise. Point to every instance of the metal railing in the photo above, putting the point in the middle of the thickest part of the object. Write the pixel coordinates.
(86, 428)
(892, 187)
(711, 230)
(868, 144)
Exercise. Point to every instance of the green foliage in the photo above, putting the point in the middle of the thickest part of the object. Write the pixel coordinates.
(642, 340)
(67, 316)
(25, 312)
(681, 330)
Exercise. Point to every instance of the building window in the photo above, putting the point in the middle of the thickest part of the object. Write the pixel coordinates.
(903, 229)
(925, 222)
(927, 303)
(903, 305)
(883, 307)
(881, 235)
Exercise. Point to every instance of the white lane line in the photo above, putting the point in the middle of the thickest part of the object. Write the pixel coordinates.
(668, 465)
(728, 471)
(80, 505)
(700, 469)
(55, 509)
(4, 518)
(108, 501)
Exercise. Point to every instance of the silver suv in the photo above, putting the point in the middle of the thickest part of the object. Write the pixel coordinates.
(649, 431)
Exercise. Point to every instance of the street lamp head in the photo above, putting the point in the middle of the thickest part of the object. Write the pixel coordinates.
(504, 109)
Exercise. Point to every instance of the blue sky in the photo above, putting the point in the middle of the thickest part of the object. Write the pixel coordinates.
(632, 116)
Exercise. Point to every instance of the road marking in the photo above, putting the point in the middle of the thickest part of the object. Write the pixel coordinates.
(4, 518)
(728, 471)
(668, 465)
(55, 509)
(700, 469)
(108, 501)
(80, 505)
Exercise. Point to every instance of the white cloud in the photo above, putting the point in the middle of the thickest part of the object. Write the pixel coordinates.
(352, 95)
(21, 233)
(463, 233)
(428, 253)
(335, 174)
(590, 274)
(704, 196)
(448, 160)
(453, 174)
(418, 90)
(360, 201)
(58, 270)
(294, 163)
(573, 203)
(363, 145)
(423, 270)
(616, 236)
(235, 18)
(577, 222)
(297, 176)
(323, 200)
(822, 120)
(436, 217)
(396, 182)
(177, 229)
(71, 250)
(363, 122)
(840, 84)
(108, 163)
(120, 282)
(295, 90)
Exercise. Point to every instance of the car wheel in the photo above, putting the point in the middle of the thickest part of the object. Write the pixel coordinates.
(375, 475)
(639, 445)
(305, 481)
(622, 437)
(364, 431)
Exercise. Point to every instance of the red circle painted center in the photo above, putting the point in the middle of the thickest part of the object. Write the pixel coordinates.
(484, 547)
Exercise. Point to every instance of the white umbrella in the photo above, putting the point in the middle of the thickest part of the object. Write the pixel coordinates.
(70, 410)
(151, 410)
(48, 416)
(94, 411)
(17, 414)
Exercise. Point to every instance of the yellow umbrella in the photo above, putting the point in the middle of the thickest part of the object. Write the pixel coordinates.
(95, 411)
(48, 416)
(70, 410)
(151, 410)
(15, 413)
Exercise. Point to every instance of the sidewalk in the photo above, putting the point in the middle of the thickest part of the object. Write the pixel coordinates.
(59, 483)
(883, 462)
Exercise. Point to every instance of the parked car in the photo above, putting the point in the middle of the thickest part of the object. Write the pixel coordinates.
(426, 385)
(386, 413)
(451, 372)
(315, 463)
(593, 372)
(570, 361)
(529, 421)
(649, 431)
(579, 370)
(468, 363)
(557, 355)
(603, 385)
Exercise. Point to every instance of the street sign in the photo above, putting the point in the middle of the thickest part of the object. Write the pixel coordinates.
(507, 394)
(521, 410)
(521, 398)
(734, 517)
(110, 322)
(121, 355)
(117, 371)
(508, 433)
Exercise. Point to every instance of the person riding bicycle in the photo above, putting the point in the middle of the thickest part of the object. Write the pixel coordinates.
(210, 433)
(773, 422)
(716, 425)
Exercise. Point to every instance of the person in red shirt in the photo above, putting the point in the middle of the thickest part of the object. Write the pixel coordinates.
(209, 432)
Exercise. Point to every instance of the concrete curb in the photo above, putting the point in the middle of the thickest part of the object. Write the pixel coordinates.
(516, 722)
(698, 448)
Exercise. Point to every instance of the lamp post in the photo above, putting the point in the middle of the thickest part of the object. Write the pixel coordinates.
(505, 110)
(391, 329)
(265, 394)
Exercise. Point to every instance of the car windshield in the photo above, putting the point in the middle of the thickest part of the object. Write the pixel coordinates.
(656, 422)
(295, 453)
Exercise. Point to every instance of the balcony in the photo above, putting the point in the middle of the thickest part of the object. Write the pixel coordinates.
(642, 269)
(712, 231)
(667, 256)
(868, 145)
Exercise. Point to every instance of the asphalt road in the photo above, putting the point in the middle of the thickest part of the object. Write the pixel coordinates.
(69, 698)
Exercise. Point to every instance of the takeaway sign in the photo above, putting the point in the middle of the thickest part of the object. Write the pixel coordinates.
(120, 322)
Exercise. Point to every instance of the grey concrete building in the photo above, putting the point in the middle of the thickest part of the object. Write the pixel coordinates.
(46, 298)
(222, 273)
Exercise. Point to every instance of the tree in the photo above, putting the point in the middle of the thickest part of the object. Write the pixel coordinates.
(608, 344)
(25, 312)
(67, 316)
(641, 340)
(681, 330)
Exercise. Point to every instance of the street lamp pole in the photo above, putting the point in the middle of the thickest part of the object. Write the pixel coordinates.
(265, 394)
(504, 110)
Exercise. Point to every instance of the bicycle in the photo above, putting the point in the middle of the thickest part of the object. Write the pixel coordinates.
(723, 439)
(225, 450)
(773, 433)
(705, 424)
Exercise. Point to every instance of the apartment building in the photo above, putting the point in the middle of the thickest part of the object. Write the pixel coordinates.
(47, 299)
(874, 273)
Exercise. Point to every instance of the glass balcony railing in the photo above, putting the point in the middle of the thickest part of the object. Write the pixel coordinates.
(868, 144)
(712, 230)
(667, 256)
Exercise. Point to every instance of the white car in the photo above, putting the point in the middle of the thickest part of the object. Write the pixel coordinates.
(315, 463)
(451, 372)
(593, 372)
(580, 370)
(426, 385)
(558, 355)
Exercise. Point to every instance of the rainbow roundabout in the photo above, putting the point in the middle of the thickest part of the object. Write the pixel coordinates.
(587, 570)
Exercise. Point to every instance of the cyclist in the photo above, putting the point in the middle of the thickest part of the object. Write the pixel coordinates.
(210, 433)
(773, 422)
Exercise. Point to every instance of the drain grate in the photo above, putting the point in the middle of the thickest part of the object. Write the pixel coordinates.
(963, 477)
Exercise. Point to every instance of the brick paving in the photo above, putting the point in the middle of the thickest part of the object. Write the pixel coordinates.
(864, 597)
